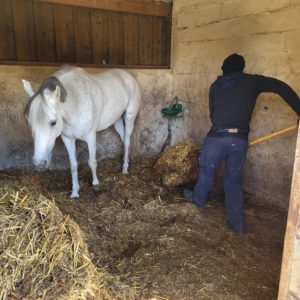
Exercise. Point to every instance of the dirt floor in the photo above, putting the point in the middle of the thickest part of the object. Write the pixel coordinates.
(150, 238)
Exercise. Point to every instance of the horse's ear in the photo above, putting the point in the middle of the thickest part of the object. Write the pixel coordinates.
(57, 93)
(60, 93)
(51, 97)
(28, 88)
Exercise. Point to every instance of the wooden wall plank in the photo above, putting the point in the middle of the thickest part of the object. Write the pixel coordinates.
(143, 7)
(145, 40)
(166, 42)
(131, 35)
(157, 41)
(44, 31)
(83, 35)
(116, 38)
(61, 33)
(7, 34)
(120, 38)
(100, 37)
(113, 37)
(24, 30)
(64, 33)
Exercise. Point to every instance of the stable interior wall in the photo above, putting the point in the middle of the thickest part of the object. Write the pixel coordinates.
(203, 34)
(267, 34)
(16, 144)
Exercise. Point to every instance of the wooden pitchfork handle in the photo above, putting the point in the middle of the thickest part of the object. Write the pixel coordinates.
(268, 136)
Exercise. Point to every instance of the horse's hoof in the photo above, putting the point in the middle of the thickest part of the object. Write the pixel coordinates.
(94, 182)
(124, 172)
(74, 195)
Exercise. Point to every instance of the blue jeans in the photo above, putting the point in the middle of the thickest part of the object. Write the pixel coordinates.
(233, 151)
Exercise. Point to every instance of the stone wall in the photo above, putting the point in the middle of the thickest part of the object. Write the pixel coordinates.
(16, 145)
(267, 33)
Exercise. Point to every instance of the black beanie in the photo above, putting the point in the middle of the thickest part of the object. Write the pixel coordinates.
(233, 63)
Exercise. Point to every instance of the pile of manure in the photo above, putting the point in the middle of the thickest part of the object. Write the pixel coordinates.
(178, 165)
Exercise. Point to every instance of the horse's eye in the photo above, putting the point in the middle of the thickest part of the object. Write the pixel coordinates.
(52, 123)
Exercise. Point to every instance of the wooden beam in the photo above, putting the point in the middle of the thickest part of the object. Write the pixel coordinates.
(82, 65)
(141, 7)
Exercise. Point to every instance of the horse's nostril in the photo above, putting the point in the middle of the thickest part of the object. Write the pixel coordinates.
(35, 162)
(40, 164)
(47, 164)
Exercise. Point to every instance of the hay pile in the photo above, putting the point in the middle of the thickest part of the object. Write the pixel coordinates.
(43, 254)
(179, 164)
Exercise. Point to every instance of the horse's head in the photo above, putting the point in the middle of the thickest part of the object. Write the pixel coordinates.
(43, 114)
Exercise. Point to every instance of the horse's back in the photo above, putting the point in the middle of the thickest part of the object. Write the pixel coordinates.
(105, 95)
(118, 76)
(120, 84)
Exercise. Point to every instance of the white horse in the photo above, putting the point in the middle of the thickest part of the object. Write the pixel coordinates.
(75, 105)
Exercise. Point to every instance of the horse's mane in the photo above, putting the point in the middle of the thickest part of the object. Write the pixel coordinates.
(50, 83)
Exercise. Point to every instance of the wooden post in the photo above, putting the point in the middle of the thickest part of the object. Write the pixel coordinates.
(289, 287)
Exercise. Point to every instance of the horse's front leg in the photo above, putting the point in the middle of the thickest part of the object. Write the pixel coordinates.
(91, 142)
(70, 145)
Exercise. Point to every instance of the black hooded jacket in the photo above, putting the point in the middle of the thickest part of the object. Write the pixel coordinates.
(232, 98)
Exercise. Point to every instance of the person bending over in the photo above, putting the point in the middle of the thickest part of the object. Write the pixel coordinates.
(232, 98)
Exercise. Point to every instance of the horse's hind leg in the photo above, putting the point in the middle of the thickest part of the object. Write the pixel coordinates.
(91, 141)
(129, 122)
(129, 118)
(120, 128)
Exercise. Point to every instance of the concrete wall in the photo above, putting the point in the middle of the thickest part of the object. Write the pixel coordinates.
(16, 146)
(267, 33)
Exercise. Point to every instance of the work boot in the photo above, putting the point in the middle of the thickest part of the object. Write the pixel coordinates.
(238, 230)
(188, 196)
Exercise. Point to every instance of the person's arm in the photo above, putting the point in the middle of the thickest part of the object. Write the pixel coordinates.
(273, 85)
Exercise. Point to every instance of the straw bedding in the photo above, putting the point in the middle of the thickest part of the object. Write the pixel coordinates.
(144, 239)
(43, 254)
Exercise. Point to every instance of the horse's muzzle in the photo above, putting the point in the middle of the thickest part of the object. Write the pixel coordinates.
(41, 165)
